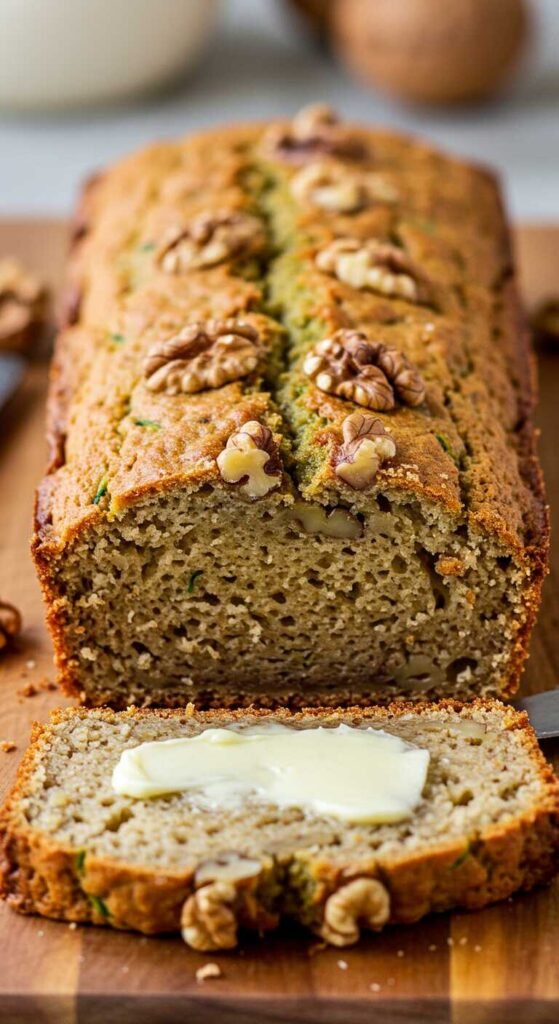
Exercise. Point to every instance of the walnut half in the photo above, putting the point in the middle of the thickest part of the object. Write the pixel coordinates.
(366, 446)
(226, 897)
(203, 355)
(315, 130)
(22, 305)
(336, 188)
(210, 239)
(352, 366)
(378, 266)
(208, 920)
(10, 623)
(362, 903)
(251, 458)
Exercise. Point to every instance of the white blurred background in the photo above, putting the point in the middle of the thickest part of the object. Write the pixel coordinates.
(258, 62)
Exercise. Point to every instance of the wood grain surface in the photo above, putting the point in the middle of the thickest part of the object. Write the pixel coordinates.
(500, 965)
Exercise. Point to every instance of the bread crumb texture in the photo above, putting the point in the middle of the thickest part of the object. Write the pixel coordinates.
(207, 282)
(488, 825)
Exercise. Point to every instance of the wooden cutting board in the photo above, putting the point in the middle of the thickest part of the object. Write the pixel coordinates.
(499, 965)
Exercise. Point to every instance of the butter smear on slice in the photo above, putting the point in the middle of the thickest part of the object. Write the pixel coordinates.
(356, 775)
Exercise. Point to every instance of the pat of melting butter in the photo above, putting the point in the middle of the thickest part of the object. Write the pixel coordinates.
(356, 775)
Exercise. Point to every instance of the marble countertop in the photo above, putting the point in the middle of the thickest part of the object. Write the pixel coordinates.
(259, 66)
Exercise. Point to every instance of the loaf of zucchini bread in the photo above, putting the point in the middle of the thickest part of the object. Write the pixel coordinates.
(290, 419)
(487, 824)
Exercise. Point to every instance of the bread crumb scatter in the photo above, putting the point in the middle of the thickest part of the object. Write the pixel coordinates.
(208, 971)
(375, 987)
(48, 685)
(7, 746)
(342, 964)
(29, 690)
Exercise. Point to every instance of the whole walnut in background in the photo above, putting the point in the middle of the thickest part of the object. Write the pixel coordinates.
(428, 51)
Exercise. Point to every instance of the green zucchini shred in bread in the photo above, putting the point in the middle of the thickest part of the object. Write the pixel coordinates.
(424, 580)
(487, 825)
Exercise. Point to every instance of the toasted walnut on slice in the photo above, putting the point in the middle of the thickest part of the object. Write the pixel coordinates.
(337, 189)
(380, 266)
(208, 920)
(10, 623)
(251, 458)
(202, 356)
(362, 903)
(352, 366)
(210, 239)
(366, 445)
(315, 130)
(225, 898)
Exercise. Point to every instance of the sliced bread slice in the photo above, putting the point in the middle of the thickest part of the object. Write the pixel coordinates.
(487, 825)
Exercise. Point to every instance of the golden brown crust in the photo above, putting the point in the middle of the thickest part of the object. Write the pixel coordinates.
(39, 875)
(109, 227)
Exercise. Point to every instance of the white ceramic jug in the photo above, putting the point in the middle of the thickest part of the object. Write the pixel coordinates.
(64, 53)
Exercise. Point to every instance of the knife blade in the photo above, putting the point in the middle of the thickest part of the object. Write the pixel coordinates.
(11, 372)
(543, 711)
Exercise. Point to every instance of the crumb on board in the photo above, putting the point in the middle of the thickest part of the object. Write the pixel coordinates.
(7, 746)
(208, 971)
(73, 926)
(29, 690)
(47, 684)
(32, 689)
(343, 965)
(31, 663)
(374, 986)
(400, 952)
